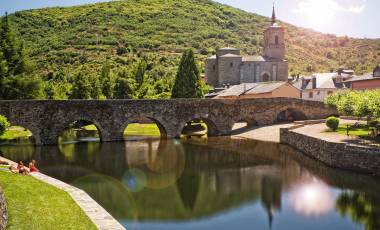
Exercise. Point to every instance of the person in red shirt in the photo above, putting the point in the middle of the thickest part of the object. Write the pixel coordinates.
(32, 166)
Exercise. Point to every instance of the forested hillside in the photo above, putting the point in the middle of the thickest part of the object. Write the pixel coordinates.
(120, 36)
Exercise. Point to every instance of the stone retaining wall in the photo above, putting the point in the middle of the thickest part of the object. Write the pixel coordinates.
(339, 155)
(3, 211)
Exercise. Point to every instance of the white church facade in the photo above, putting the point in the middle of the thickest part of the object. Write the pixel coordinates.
(229, 67)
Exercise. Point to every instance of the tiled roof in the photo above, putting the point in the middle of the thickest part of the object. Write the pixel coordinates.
(363, 78)
(324, 81)
(251, 88)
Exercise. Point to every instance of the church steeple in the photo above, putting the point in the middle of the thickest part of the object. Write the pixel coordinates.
(273, 16)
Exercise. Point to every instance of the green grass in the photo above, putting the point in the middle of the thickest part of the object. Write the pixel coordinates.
(360, 132)
(15, 132)
(33, 204)
(136, 130)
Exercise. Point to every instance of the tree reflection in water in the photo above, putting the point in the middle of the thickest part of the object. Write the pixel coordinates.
(361, 207)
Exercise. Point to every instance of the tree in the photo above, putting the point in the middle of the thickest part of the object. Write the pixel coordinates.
(139, 72)
(21, 87)
(81, 87)
(107, 80)
(4, 124)
(187, 83)
(124, 88)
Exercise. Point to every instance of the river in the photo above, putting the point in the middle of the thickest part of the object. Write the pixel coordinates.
(210, 183)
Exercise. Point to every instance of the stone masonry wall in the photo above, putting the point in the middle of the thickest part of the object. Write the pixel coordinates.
(3, 211)
(339, 155)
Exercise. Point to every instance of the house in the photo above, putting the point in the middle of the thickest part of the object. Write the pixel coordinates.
(318, 86)
(260, 90)
(229, 67)
(366, 82)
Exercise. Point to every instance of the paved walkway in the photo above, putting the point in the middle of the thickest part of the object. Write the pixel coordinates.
(270, 133)
(99, 216)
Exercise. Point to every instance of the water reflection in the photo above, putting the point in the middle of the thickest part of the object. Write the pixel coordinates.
(213, 183)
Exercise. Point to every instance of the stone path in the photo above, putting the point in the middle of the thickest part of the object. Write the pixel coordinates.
(270, 133)
(99, 216)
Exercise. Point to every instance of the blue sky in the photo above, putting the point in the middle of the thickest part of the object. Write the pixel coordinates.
(355, 18)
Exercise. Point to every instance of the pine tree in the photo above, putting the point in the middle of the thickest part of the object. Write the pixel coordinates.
(139, 72)
(187, 83)
(123, 88)
(107, 80)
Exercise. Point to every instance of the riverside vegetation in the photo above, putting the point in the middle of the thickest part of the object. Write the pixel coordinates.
(132, 49)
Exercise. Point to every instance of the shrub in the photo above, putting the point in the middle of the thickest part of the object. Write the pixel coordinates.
(373, 123)
(4, 124)
(332, 123)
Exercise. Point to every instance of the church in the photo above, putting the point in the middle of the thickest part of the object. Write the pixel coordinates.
(229, 67)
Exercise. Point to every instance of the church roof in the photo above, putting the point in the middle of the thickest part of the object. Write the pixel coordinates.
(212, 57)
(230, 55)
(253, 58)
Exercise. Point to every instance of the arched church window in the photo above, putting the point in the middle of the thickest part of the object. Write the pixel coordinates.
(276, 40)
(213, 67)
(265, 77)
(231, 64)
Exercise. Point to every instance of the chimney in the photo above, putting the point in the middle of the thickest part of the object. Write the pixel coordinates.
(314, 82)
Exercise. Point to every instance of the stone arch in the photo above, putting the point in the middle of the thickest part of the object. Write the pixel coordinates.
(212, 128)
(65, 124)
(158, 121)
(35, 130)
(290, 115)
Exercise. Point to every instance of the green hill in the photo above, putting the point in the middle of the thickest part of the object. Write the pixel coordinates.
(81, 38)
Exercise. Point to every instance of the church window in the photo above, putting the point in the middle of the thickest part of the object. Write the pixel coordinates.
(213, 67)
(231, 64)
(257, 73)
(311, 95)
(276, 40)
(274, 72)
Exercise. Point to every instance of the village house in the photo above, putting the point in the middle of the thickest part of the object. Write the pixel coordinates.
(229, 67)
(366, 82)
(318, 86)
(260, 90)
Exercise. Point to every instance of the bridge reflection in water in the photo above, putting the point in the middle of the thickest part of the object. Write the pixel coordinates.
(214, 182)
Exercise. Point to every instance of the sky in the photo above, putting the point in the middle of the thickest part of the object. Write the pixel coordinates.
(355, 18)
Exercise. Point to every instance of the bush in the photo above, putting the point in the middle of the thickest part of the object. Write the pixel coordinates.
(374, 123)
(4, 124)
(332, 123)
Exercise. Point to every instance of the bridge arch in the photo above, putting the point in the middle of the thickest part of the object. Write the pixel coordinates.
(212, 128)
(291, 114)
(34, 129)
(68, 122)
(161, 125)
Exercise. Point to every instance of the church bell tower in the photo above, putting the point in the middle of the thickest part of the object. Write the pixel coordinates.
(274, 40)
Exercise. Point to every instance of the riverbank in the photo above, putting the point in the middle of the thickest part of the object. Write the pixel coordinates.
(333, 149)
(29, 198)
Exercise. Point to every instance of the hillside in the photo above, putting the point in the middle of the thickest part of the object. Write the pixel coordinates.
(81, 38)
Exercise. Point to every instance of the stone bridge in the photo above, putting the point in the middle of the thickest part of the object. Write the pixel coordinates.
(47, 119)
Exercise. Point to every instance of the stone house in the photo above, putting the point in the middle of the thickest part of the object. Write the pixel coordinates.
(318, 86)
(229, 67)
(366, 82)
(260, 90)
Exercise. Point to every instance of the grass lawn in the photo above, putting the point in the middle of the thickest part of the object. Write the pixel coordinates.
(360, 132)
(33, 204)
(136, 130)
(15, 132)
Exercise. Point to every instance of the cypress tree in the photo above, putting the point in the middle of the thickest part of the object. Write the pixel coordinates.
(81, 88)
(139, 72)
(187, 83)
(107, 80)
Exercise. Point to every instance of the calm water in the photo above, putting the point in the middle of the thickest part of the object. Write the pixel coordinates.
(215, 183)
